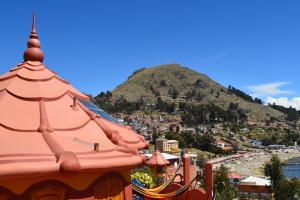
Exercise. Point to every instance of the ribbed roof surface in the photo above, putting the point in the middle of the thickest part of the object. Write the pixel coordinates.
(157, 160)
(45, 128)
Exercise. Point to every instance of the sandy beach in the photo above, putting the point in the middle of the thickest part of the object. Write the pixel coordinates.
(253, 164)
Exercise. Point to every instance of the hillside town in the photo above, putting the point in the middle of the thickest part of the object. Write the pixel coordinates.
(244, 157)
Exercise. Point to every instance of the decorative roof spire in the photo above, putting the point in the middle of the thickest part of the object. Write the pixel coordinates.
(34, 51)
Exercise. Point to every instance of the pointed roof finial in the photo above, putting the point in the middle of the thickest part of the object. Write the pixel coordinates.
(34, 52)
(33, 31)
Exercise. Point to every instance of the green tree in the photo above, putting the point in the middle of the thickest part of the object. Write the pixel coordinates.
(190, 94)
(188, 137)
(155, 135)
(201, 160)
(205, 142)
(273, 169)
(282, 188)
(163, 83)
(164, 106)
(173, 93)
(178, 137)
(154, 91)
(225, 191)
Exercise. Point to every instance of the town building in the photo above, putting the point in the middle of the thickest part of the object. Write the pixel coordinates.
(255, 188)
(168, 146)
(234, 178)
(224, 146)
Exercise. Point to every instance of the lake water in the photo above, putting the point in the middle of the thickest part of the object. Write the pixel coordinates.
(292, 171)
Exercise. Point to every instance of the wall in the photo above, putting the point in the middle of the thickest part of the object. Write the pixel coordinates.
(68, 185)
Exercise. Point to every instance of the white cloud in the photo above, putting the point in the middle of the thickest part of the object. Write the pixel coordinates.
(269, 89)
(284, 101)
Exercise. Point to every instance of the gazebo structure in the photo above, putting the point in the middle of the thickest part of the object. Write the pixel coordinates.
(54, 143)
(157, 162)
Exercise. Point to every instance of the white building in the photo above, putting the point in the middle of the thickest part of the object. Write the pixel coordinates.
(164, 145)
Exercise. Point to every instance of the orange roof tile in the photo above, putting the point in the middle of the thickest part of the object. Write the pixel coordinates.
(234, 176)
(44, 128)
(157, 160)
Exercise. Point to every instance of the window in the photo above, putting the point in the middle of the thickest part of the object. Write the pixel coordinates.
(92, 107)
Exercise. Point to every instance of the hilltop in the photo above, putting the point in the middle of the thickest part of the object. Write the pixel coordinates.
(175, 83)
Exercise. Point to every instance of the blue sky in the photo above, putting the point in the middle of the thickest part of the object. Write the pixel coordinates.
(253, 45)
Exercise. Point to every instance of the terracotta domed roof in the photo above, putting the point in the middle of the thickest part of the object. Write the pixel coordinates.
(157, 160)
(45, 126)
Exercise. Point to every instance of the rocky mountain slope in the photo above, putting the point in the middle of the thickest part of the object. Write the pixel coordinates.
(175, 83)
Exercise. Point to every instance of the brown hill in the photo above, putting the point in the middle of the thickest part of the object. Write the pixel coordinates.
(175, 83)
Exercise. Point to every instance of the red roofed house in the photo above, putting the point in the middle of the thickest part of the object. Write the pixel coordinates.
(54, 143)
(255, 188)
(234, 178)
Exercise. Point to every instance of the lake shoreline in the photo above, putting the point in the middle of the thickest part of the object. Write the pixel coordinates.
(254, 166)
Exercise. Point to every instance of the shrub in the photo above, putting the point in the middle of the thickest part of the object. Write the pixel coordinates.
(145, 176)
(144, 179)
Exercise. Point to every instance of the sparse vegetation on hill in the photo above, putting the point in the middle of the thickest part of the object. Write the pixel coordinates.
(207, 113)
(174, 84)
(292, 114)
(243, 95)
(104, 101)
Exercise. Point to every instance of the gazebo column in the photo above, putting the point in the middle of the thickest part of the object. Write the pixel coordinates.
(209, 180)
(186, 170)
(128, 192)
